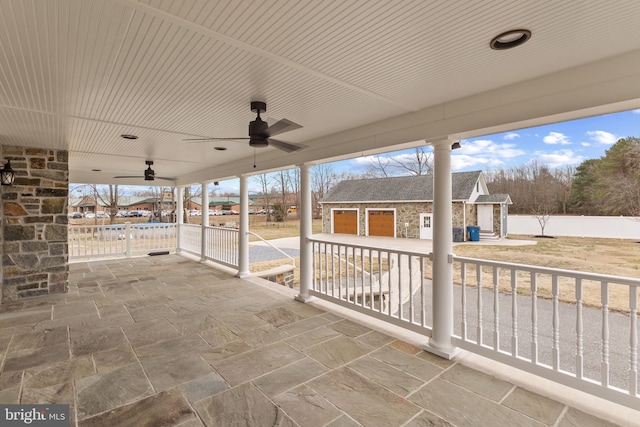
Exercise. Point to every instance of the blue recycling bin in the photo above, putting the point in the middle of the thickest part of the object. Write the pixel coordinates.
(474, 233)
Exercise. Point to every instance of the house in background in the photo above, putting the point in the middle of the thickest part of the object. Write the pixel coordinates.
(403, 207)
(125, 203)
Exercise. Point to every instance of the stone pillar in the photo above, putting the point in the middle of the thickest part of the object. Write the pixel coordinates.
(34, 223)
(306, 221)
(243, 229)
(442, 289)
(204, 222)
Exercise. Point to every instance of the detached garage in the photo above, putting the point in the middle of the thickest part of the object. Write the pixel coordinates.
(403, 206)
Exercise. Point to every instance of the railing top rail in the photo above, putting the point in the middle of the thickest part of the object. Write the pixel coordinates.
(379, 248)
(215, 227)
(274, 247)
(630, 281)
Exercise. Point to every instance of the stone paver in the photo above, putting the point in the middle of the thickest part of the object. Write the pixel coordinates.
(169, 341)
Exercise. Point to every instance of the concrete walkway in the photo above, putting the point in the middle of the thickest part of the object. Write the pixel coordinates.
(169, 341)
(417, 245)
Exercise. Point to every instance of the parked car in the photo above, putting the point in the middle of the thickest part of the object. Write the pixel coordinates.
(89, 215)
(75, 215)
(134, 214)
(102, 214)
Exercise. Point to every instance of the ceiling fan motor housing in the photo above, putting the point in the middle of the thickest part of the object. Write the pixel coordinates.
(149, 174)
(258, 133)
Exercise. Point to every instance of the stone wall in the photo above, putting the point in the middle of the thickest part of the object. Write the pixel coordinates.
(34, 223)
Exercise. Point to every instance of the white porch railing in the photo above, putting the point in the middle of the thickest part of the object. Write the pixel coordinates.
(222, 243)
(91, 241)
(578, 329)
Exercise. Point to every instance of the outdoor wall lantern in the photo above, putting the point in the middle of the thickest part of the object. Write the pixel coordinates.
(456, 145)
(7, 175)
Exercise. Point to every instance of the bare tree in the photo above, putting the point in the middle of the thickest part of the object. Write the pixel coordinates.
(264, 180)
(416, 164)
(188, 195)
(323, 177)
(380, 168)
(109, 197)
(294, 182)
(543, 214)
(283, 181)
(420, 163)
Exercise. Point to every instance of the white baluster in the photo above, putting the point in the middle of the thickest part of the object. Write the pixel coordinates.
(479, 280)
(514, 312)
(496, 309)
(555, 347)
(463, 278)
(604, 364)
(534, 318)
(579, 325)
(633, 341)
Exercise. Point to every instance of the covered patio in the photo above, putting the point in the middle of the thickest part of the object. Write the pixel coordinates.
(167, 340)
(111, 92)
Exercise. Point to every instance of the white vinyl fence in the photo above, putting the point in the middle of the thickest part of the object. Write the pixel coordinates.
(615, 227)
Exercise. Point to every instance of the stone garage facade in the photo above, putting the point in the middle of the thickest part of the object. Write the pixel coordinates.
(403, 207)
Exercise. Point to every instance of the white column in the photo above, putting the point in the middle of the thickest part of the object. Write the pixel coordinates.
(204, 222)
(442, 289)
(306, 221)
(243, 229)
(179, 217)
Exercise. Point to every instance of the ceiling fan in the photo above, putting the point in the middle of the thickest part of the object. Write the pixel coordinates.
(260, 132)
(149, 174)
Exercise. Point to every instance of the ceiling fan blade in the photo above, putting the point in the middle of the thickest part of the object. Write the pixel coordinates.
(282, 126)
(137, 176)
(213, 139)
(166, 178)
(286, 146)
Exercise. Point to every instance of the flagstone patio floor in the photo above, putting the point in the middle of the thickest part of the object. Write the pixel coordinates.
(168, 341)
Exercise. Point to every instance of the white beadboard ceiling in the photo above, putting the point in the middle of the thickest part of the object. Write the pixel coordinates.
(360, 76)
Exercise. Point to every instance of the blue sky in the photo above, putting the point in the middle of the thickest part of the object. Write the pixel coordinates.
(556, 145)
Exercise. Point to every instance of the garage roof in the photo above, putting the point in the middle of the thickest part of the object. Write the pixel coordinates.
(400, 188)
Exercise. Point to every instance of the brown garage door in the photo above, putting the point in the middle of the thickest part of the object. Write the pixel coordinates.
(381, 223)
(345, 221)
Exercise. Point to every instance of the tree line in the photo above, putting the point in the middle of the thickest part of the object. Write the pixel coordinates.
(609, 185)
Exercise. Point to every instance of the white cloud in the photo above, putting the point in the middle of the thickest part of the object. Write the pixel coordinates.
(585, 144)
(511, 135)
(488, 148)
(370, 160)
(636, 111)
(556, 138)
(464, 161)
(602, 137)
(558, 158)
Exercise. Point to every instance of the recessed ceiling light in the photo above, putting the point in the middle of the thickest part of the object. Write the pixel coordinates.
(126, 136)
(510, 39)
(220, 148)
